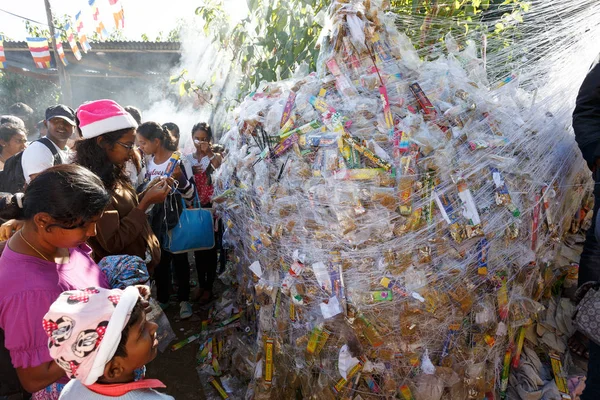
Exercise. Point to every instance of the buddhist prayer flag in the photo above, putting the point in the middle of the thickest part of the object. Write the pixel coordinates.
(39, 51)
(60, 50)
(118, 14)
(2, 56)
(96, 15)
(82, 37)
(72, 42)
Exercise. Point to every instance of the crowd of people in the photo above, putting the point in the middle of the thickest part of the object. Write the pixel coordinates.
(80, 187)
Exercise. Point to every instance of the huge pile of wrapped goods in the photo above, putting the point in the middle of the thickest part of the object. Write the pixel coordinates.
(397, 224)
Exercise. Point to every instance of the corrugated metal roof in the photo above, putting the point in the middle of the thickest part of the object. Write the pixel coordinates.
(113, 46)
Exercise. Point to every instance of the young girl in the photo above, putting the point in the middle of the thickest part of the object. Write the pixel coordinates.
(61, 208)
(12, 141)
(158, 143)
(109, 141)
(204, 162)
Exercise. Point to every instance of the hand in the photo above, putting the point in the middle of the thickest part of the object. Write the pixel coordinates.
(145, 295)
(178, 174)
(170, 181)
(144, 291)
(205, 148)
(148, 186)
(9, 228)
(157, 193)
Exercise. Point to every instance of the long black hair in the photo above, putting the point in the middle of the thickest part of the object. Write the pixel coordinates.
(70, 194)
(89, 154)
(153, 130)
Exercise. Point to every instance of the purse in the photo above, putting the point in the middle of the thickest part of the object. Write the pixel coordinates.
(587, 316)
(194, 231)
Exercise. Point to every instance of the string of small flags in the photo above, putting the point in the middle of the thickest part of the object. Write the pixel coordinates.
(39, 47)
(60, 50)
(85, 46)
(100, 29)
(72, 42)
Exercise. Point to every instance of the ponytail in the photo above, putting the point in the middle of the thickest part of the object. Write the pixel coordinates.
(154, 130)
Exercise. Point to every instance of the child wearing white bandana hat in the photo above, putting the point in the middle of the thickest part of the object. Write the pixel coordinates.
(100, 337)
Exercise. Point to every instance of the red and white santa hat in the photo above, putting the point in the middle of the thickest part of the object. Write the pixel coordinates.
(84, 329)
(102, 116)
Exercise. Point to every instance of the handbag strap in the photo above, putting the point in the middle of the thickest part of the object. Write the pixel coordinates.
(584, 289)
(196, 199)
(195, 202)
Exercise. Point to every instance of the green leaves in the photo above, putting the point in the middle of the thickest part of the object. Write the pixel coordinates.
(37, 93)
(427, 22)
(273, 40)
(278, 35)
(188, 86)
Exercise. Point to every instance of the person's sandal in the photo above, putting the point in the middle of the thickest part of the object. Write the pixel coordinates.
(185, 310)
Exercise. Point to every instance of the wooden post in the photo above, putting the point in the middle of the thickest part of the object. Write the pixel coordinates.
(64, 79)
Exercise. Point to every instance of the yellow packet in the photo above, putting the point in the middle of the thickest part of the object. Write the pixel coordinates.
(269, 344)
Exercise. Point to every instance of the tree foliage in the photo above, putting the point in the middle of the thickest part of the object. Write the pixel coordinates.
(34, 30)
(278, 35)
(174, 35)
(36, 93)
(275, 36)
(428, 21)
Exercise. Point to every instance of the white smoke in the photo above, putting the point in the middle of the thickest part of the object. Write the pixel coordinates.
(209, 65)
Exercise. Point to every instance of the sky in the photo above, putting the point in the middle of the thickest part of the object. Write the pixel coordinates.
(141, 16)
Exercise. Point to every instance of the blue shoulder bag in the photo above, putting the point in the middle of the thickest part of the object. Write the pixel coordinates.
(194, 231)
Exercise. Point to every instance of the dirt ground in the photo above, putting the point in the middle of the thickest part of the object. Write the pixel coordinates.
(177, 369)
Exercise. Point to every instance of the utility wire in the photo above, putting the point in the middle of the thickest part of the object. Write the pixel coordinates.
(31, 20)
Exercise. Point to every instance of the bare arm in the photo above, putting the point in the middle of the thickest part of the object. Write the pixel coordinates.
(216, 162)
(37, 378)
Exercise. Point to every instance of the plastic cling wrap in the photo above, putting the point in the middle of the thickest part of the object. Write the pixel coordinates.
(401, 242)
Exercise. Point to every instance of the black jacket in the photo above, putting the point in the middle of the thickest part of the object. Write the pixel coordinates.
(586, 117)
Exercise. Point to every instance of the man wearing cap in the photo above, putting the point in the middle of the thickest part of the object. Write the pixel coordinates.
(60, 121)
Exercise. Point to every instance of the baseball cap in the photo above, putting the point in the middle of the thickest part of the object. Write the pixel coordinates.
(61, 111)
